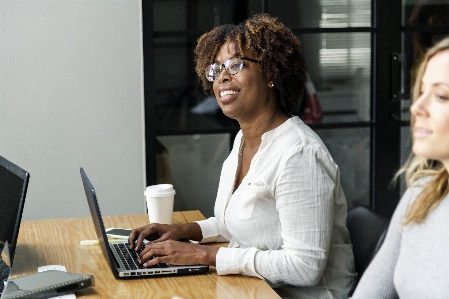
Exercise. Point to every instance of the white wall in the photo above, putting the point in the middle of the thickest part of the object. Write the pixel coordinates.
(71, 95)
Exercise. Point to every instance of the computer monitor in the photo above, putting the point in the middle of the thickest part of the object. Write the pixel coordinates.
(13, 187)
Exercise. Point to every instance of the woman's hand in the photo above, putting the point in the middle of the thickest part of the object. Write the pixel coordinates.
(177, 253)
(156, 232)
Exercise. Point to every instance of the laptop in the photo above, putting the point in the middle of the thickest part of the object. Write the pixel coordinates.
(123, 262)
(13, 188)
(5, 268)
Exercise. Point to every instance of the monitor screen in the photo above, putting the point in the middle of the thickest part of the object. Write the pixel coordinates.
(5, 267)
(12, 189)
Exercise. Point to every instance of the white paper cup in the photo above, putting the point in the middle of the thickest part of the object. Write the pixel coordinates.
(160, 200)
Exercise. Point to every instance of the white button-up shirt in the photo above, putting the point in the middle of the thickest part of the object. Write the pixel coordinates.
(286, 222)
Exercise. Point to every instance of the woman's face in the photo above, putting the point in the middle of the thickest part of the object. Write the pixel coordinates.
(431, 111)
(245, 95)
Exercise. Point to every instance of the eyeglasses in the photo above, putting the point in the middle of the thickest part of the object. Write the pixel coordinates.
(232, 66)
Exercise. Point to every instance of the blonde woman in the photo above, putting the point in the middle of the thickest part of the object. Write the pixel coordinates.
(414, 259)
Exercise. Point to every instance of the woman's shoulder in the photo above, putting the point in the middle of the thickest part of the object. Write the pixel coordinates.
(412, 192)
(302, 137)
(298, 144)
(417, 187)
(296, 131)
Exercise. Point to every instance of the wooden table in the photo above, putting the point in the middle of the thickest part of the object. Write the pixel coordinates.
(56, 242)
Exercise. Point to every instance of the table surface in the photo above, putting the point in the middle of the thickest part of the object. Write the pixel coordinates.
(56, 242)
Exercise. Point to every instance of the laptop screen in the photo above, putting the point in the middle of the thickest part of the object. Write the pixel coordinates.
(5, 267)
(97, 220)
(13, 186)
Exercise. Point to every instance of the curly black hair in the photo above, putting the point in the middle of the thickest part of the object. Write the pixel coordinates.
(274, 46)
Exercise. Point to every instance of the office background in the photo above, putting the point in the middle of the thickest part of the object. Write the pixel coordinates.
(361, 56)
(109, 85)
(359, 53)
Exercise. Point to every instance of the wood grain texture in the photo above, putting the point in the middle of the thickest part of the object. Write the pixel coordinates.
(56, 242)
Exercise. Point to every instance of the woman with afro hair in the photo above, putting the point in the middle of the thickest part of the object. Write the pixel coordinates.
(279, 203)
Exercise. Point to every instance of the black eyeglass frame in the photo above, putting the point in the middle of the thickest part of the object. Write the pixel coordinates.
(223, 66)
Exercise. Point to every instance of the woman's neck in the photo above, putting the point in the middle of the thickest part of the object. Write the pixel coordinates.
(253, 131)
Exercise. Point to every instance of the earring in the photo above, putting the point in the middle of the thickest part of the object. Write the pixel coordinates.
(271, 84)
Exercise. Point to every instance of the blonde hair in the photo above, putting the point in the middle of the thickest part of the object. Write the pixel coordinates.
(417, 167)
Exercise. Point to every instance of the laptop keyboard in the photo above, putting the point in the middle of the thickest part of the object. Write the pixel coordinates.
(130, 258)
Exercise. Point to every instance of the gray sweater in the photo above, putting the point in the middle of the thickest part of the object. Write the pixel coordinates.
(413, 262)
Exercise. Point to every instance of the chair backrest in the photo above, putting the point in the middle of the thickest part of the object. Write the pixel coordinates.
(367, 231)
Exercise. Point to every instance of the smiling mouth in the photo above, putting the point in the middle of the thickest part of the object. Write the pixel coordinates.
(227, 93)
(422, 130)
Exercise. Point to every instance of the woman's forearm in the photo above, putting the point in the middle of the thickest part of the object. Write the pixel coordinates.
(192, 231)
(210, 255)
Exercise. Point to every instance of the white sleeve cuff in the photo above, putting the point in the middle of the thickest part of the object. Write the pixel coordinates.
(236, 261)
(209, 229)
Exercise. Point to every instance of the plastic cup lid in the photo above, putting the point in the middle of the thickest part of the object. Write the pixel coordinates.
(160, 190)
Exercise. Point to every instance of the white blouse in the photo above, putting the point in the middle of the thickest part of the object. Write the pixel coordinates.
(286, 222)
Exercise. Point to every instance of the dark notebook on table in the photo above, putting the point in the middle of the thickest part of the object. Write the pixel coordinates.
(13, 189)
(123, 262)
(48, 284)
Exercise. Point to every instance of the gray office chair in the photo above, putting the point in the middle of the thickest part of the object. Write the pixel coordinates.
(367, 231)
